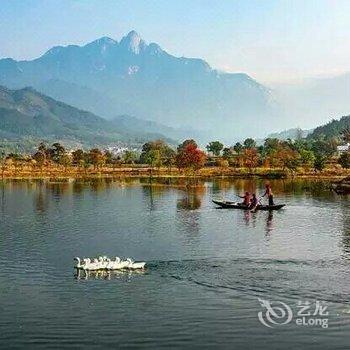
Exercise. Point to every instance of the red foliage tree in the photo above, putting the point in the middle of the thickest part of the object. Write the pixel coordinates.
(190, 156)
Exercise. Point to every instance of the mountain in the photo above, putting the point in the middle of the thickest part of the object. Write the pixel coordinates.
(132, 77)
(26, 113)
(332, 129)
(293, 134)
(135, 125)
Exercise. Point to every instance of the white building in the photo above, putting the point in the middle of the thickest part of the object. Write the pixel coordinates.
(343, 148)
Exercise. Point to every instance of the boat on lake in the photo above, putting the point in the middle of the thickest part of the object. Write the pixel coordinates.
(235, 205)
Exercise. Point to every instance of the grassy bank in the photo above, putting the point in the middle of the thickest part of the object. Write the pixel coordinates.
(58, 171)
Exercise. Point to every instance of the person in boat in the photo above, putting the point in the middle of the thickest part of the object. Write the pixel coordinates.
(268, 193)
(254, 202)
(246, 199)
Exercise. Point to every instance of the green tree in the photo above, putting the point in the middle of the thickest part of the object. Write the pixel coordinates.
(249, 143)
(215, 147)
(66, 161)
(320, 162)
(44, 149)
(344, 160)
(109, 157)
(153, 158)
(323, 150)
(157, 153)
(130, 157)
(57, 151)
(238, 147)
(227, 153)
(271, 144)
(2, 162)
(307, 158)
(169, 157)
(40, 158)
(96, 158)
(345, 135)
(78, 157)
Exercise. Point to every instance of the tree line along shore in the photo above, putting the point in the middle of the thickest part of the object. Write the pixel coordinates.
(274, 159)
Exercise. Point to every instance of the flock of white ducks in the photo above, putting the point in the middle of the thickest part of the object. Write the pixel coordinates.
(104, 263)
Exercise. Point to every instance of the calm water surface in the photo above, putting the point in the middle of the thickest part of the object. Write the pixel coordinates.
(207, 267)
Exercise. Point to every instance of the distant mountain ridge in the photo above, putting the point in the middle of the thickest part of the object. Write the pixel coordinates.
(292, 134)
(131, 77)
(27, 113)
(334, 128)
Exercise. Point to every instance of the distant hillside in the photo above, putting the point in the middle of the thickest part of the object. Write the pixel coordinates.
(131, 77)
(292, 134)
(135, 125)
(26, 114)
(332, 129)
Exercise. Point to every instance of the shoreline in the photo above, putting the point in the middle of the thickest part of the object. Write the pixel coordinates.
(146, 172)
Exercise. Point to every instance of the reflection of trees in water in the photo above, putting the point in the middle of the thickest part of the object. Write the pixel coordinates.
(228, 188)
(151, 192)
(319, 188)
(58, 188)
(189, 202)
(98, 185)
(345, 239)
(78, 187)
(2, 197)
(156, 187)
(192, 198)
(102, 184)
(175, 182)
(40, 200)
(189, 219)
(187, 205)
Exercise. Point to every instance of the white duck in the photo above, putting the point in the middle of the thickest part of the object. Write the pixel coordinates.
(80, 264)
(110, 264)
(135, 265)
(101, 262)
(93, 265)
(122, 264)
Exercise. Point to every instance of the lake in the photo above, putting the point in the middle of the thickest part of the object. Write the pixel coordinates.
(209, 270)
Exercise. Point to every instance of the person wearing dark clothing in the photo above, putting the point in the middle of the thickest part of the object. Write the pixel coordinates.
(268, 193)
(254, 202)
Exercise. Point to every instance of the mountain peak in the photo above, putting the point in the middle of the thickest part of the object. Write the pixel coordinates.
(133, 35)
(104, 40)
(133, 42)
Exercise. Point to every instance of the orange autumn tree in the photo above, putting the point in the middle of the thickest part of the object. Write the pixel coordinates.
(250, 158)
(189, 156)
(283, 156)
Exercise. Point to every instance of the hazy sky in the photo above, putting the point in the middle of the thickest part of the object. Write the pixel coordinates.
(270, 40)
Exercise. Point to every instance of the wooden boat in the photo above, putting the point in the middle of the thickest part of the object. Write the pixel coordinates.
(234, 205)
